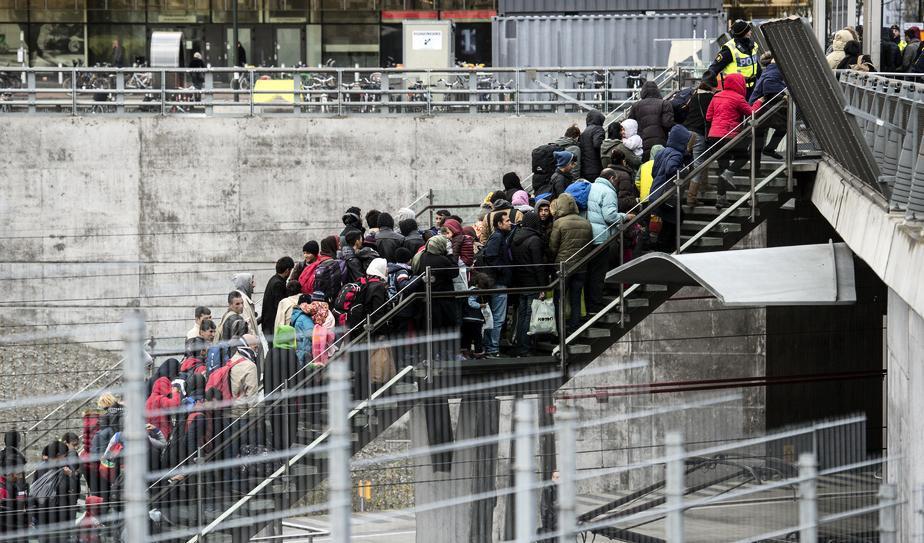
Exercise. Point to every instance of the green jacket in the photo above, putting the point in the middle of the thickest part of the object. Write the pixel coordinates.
(570, 232)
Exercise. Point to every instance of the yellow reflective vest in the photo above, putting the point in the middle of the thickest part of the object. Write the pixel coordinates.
(742, 63)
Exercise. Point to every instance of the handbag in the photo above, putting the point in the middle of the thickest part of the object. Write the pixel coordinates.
(542, 319)
(488, 318)
(382, 365)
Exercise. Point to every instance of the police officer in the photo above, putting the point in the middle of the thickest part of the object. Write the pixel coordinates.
(738, 55)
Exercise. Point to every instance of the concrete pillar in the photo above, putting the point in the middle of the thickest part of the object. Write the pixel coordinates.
(872, 23)
(472, 472)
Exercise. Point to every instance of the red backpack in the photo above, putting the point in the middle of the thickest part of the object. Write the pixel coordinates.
(220, 379)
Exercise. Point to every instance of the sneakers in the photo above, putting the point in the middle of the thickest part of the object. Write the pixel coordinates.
(772, 153)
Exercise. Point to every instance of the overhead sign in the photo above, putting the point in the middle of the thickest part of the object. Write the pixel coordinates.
(427, 40)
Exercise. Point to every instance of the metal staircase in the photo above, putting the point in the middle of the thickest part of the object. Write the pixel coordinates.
(290, 483)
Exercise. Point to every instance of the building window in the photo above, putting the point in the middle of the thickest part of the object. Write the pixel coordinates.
(100, 38)
(12, 36)
(248, 11)
(52, 44)
(351, 45)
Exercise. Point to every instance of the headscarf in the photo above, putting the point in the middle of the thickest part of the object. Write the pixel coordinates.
(404, 214)
(520, 198)
(329, 246)
(437, 245)
(244, 283)
(379, 268)
(318, 312)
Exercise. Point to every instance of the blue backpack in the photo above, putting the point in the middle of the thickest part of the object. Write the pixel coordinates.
(215, 358)
(580, 191)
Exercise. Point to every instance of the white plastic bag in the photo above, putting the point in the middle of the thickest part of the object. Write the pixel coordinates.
(488, 318)
(542, 319)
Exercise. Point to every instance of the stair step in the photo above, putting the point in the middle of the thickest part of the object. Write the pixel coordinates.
(574, 348)
(612, 318)
(405, 388)
(655, 288)
(696, 226)
(631, 303)
(705, 241)
(594, 333)
(261, 505)
(733, 195)
(711, 211)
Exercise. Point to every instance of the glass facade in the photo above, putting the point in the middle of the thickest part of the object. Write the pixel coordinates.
(363, 33)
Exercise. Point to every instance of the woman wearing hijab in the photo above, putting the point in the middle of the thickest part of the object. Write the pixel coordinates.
(443, 269)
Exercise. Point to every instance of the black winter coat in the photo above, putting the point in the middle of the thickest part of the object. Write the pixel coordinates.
(528, 248)
(655, 116)
(590, 142)
(442, 278)
(387, 242)
(625, 186)
(560, 182)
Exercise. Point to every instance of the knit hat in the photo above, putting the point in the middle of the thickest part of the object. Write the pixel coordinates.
(404, 214)
(563, 158)
(520, 198)
(378, 268)
(453, 226)
(403, 255)
(317, 296)
(740, 28)
(304, 299)
(437, 245)
(311, 248)
(530, 220)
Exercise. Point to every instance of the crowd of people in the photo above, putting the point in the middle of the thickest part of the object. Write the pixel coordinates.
(585, 186)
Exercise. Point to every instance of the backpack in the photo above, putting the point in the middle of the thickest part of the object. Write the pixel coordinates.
(543, 159)
(172, 453)
(348, 295)
(215, 358)
(917, 66)
(356, 313)
(46, 487)
(284, 337)
(190, 366)
(680, 101)
(580, 191)
(328, 278)
(220, 379)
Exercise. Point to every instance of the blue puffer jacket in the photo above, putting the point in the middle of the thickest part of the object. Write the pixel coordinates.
(603, 209)
(666, 165)
(304, 327)
(769, 84)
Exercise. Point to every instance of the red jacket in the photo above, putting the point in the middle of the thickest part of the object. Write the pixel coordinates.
(728, 108)
(194, 365)
(162, 398)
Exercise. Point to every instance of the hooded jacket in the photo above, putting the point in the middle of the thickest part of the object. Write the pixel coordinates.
(413, 239)
(728, 108)
(631, 140)
(890, 56)
(304, 328)
(162, 398)
(528, 249)
(655, 115)
(521, 201)
(590, 142)
(669, 161)
(645, 177)
(357, 262)
(570, 232)
(696, 113)
(351, 222)
(841, 37)
(512, 184)
(625, 187)
(242, 282)
(603, 209)
(463, 246)
(769, 84)
(910, 54)
(573, 146)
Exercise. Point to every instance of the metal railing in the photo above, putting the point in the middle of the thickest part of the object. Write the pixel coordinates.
(890, 111)
(321, 91)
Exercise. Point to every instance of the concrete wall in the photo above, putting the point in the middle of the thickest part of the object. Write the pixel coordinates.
(905, 404)
(100, 215)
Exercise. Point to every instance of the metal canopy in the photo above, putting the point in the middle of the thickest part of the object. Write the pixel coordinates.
(799, 275)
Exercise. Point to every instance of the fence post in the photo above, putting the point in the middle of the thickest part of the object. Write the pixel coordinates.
(341, 500)
(567, 471)
(429, 303)
(808, 506)
(674, 485)
(562, 329)
(74, 91)
(524, 472)
(384, 86)
(250, 90)
(516, 83)
(473, 92)
(120, 91)
(754, 151)
(210, 91)
(887, 527)
(134, 433)
(790, 139)
(30, 87)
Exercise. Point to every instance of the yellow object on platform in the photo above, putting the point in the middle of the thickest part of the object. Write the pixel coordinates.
(268, 91)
